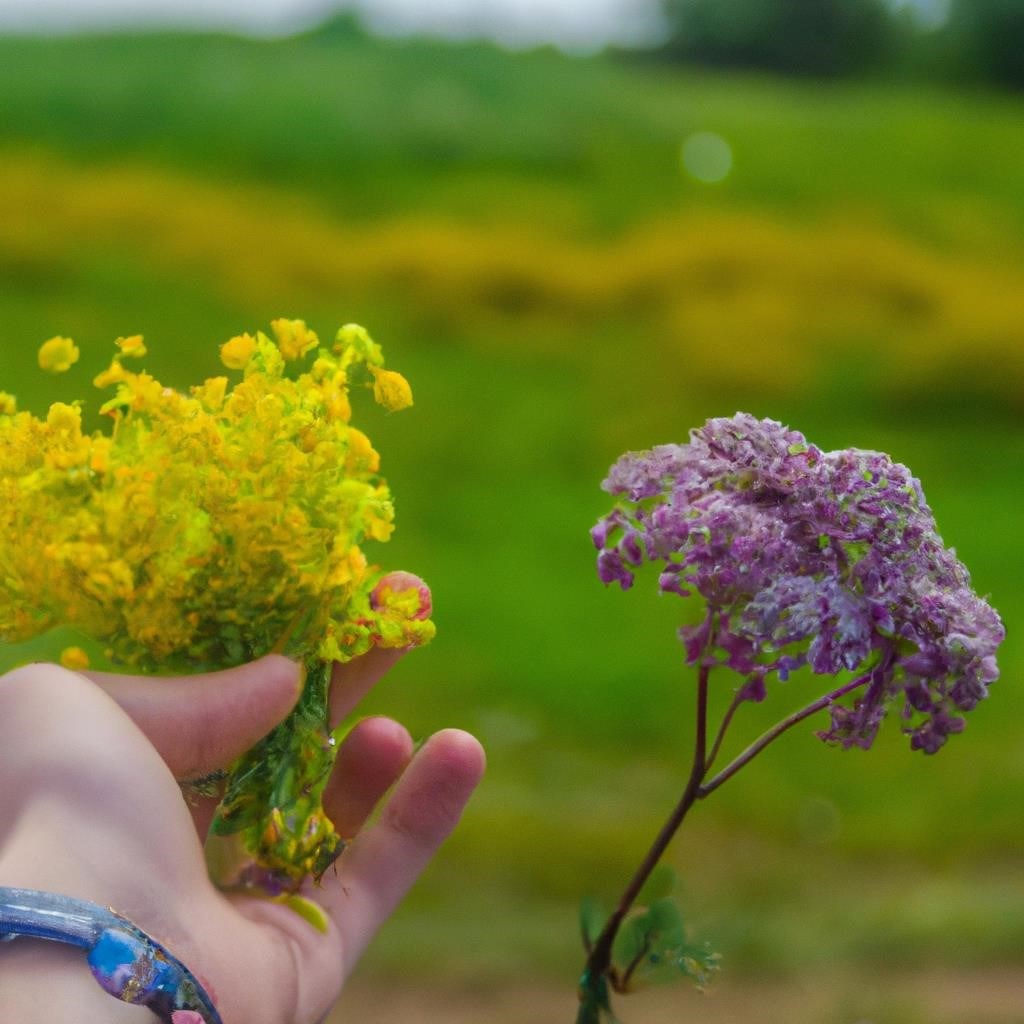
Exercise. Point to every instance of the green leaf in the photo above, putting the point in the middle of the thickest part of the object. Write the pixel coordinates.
(651, 946)
(659, 926)
(632, 940)
(665, 921)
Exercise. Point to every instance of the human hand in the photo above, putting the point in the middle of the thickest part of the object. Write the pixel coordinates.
(89, 807)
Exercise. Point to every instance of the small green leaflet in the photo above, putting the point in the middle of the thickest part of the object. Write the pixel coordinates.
(651, 946)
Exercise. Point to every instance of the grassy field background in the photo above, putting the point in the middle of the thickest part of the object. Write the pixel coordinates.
(519, 232)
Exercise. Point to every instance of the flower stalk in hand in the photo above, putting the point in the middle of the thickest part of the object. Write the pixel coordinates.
(204, 530)
(829, 561)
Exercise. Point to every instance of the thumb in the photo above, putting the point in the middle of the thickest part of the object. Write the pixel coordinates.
(203, 722)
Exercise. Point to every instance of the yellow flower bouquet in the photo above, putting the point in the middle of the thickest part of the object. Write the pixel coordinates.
(206, 529)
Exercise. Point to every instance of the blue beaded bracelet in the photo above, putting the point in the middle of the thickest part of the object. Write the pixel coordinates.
(127, 963)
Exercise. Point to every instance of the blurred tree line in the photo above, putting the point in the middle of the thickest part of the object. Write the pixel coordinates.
(978, 40)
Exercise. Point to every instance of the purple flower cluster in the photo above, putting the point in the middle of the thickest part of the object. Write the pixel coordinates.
(804, 557)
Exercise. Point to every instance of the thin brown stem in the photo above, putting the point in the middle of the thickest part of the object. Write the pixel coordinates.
(599, 961)
(627, 974)
(598, 970)
(737, 700)
(776, 731)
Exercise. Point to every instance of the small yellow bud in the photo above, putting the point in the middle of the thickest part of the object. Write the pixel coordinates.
(350, 336)
(322, 368)
(114, 374)
(294, 338)
(8, 404)
(64, 417)
(354, 345)
(132, 347)
(335, 398)
(391, 389)
(237, 352)
(211, 392)
(99, 458)
(74, 658)
(58, 354)
(361, 455)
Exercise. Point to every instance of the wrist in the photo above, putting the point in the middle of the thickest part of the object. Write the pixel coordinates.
(124, 961)
(47, 983)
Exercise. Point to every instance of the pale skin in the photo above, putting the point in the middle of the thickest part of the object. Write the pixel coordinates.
(90, 807)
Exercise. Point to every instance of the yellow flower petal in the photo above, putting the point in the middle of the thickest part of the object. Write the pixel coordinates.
(294, 338)
(354, 345)
(114, 374)
(335, 398)
(58, 354)
(211, 392)
(99, 458)
(74, 658)
(361, 457)
(64, 417)
(237, 352)
(391, 389)
(132, 347)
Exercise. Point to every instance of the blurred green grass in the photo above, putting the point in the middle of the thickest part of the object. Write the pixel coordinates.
(517, 231)
(375, 128)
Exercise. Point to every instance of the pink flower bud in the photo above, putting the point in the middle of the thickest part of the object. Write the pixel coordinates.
(404, 594)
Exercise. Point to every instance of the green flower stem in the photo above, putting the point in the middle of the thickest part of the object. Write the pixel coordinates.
(273, 795)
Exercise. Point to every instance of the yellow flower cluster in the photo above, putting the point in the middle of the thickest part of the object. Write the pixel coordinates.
(208, 528)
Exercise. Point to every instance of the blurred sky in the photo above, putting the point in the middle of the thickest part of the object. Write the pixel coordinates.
(571, 24)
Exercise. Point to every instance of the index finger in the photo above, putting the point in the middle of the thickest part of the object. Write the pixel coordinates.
(352, 680)
(203, 722)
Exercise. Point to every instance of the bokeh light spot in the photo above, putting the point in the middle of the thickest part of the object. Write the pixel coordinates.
(707, 157)
(820, 821)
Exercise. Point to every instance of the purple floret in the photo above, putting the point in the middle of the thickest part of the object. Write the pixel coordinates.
(831, 560)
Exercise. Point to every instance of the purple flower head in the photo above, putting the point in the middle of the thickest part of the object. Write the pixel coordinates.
(804, 557)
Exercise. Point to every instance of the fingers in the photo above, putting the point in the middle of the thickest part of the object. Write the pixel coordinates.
(383, 861)
(203, 722)
(371, 758)
(353, 680)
